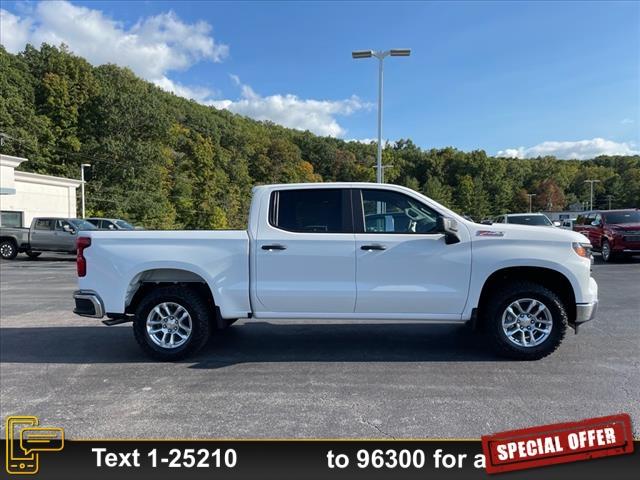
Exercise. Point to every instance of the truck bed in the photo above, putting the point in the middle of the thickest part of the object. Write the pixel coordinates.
(19, 234)
(118, 262)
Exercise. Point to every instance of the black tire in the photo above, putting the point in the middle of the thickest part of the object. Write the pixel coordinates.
(33, 255)
(607, 255)
(199, 312)
(502, 298)
(8, 249)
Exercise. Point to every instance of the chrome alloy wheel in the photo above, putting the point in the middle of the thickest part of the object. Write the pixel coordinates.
(527, 322)
(169, 325)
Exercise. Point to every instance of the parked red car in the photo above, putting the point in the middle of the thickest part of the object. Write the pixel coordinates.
(614, 233)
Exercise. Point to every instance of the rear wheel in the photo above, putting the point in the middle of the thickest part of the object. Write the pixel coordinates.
(8, 249)
(32, 254)
(172, 323)
(525, 321)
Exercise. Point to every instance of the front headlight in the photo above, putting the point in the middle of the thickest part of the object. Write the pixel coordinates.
(582, 249)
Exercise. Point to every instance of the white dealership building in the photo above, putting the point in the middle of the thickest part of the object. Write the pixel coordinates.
(25, 195)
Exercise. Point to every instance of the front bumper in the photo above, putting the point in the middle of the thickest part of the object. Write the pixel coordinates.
(586, 312)
(88, 304)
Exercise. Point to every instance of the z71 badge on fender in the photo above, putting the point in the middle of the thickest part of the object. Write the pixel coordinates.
(489, 233)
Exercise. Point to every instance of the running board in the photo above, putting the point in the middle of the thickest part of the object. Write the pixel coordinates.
(117, 321)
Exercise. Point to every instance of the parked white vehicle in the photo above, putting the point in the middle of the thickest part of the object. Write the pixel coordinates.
(337, 251)
(538, 219)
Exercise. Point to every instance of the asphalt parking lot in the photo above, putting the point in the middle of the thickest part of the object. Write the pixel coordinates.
(270, 380)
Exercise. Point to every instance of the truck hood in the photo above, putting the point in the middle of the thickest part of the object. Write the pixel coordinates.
(525, 232)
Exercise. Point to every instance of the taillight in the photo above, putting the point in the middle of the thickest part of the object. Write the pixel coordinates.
(81, 262)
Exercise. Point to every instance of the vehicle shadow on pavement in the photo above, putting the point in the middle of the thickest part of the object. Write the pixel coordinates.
(264, 342)
(256, 342)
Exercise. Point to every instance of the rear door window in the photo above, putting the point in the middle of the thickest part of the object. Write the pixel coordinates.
(317, 210)
(44, 224)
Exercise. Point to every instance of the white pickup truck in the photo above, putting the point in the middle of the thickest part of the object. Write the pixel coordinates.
(337, 251)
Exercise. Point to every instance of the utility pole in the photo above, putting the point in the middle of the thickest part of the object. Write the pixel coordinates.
(530, 195)
(609, 197)
(395, 52)
(384, 167)
(82, 165)
(591, 182)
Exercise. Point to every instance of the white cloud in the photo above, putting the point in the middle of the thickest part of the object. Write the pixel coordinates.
(197, 93)
(580, 150)
(152, 47)
(157, 45)
(14, 31)
(317, 116)
(627, 121)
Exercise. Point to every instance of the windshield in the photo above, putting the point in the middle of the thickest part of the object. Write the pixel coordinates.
(623, 217)
(124, 225)
(530, 220)
(82, 224)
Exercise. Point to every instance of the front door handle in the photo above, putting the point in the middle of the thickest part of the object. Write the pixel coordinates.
(274, 247)
(373, 247)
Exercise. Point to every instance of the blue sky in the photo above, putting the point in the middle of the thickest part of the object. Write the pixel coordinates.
(513, 77)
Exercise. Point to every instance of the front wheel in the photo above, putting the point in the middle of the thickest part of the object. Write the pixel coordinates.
(607, 254)
(8, 249)
(525, 321)
(172, 323)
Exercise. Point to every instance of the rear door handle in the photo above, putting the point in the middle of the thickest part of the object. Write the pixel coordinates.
(373, 247)
(274, 247)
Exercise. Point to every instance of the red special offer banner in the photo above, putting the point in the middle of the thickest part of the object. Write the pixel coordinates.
(558, 443)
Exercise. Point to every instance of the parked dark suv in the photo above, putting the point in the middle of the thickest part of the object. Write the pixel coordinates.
(614, 233)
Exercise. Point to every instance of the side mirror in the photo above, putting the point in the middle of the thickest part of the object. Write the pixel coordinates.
(595, 223)
(69, 229)
(112, 226)
(449, 227)
(556, 223)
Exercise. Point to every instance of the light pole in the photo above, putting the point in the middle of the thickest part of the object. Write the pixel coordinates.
(384, 167)
(591, 182)
(82, 165)
(530, 195)
(380, 55)
(609, 197)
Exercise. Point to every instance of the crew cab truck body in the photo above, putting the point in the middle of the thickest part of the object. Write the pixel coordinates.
(340, 251)
(46, 234)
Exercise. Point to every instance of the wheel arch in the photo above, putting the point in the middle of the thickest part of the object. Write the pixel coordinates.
(150, 279)
(547, 277)
(9, 238)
